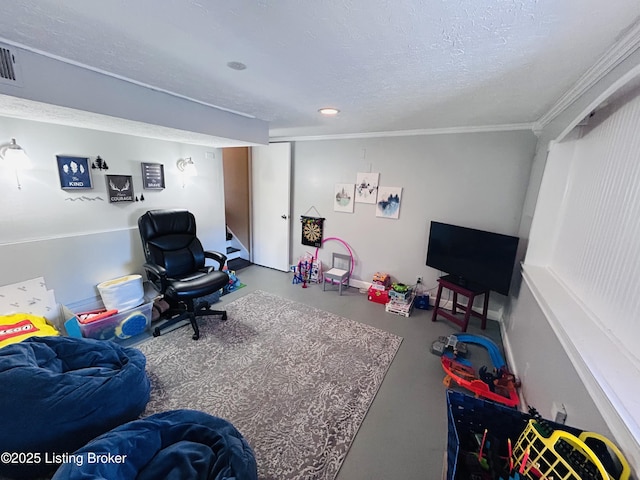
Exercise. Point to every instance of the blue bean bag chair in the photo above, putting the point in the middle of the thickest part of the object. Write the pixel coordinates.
(173, 445)
(57, 393)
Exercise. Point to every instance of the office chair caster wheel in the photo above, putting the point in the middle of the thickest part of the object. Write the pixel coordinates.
(224, 316)
(156, 332)
(195, 336)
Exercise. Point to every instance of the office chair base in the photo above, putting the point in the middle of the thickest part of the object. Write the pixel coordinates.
(177, 315)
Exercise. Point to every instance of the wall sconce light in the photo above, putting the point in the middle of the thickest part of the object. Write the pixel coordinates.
(187, 167)
(15, 158)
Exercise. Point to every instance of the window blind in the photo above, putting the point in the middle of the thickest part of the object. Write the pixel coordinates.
(597, 249)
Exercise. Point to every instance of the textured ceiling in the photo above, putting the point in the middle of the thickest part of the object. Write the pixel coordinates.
(388, 65)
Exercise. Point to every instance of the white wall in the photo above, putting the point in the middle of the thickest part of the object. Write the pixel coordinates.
(76, 238)
(472, 179)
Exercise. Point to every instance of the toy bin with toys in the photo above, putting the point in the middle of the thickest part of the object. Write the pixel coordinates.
(119, 326)
(378, 296)
(492, 441)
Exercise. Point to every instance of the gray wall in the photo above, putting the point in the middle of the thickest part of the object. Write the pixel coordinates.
(546, 371)
(473, 179)
(76, 238)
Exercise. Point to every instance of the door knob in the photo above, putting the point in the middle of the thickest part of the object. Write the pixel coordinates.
(283, 217)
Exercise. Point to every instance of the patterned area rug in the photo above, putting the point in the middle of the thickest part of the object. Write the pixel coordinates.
(296, 381)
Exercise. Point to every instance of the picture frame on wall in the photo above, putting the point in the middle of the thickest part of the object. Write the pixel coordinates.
(74, 172)
(120, 188)
(389, 201)
(367, 187)
(343, 197)
(152, 176)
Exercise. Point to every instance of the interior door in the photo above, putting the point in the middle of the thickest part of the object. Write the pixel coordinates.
(270, 205)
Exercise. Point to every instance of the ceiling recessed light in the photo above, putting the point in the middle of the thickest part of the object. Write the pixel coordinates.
(329, 111)
(236, 65)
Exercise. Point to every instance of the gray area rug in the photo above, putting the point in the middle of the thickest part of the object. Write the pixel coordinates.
(295, 380)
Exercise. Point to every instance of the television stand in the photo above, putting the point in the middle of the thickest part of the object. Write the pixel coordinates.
(469, 290)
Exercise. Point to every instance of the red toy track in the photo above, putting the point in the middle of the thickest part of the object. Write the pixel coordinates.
(465, 377)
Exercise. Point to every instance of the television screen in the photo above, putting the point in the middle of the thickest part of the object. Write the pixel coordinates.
(471, 255)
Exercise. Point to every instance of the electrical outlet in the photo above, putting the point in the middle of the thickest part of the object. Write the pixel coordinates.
(558, 412)
(419, 280)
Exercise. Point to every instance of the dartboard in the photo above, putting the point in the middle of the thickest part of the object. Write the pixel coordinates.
(312, 232)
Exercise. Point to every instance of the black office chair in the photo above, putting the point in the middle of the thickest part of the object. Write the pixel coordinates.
(176, 266)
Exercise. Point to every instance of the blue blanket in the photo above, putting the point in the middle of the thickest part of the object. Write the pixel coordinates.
(174, 445)
(57, 393)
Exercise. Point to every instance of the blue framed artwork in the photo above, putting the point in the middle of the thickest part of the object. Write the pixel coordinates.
(74, 172)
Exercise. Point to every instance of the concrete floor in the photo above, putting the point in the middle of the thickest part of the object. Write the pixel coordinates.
(404, 434)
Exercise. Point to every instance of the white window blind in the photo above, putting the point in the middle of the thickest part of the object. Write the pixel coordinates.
(597, 245)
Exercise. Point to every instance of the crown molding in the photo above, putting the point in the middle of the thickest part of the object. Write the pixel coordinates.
(628, 43)
(407, 133)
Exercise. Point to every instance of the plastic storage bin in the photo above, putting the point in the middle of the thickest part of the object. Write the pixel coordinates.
(558, 456)
(468, 417)
(378, 296)
(122, 293)
(121, 326)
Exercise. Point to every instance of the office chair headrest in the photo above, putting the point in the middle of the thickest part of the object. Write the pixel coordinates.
(156, 223)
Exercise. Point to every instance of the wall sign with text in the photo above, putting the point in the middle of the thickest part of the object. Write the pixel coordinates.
(153, 176)
(74, 172)
(120, 188)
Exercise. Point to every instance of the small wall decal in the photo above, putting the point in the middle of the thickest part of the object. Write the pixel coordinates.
(99, 164)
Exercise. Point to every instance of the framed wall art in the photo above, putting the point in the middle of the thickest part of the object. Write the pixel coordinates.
(389, 200)
(120, 188)
(367, 187)
(343, 199)
(74, 172)
(152, 176)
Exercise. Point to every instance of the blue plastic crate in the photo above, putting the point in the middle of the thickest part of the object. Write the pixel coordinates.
(469, 416)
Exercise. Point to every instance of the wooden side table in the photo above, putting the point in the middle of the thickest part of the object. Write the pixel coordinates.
(471, 291)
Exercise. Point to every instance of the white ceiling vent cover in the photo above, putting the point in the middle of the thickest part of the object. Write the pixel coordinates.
(9, 71)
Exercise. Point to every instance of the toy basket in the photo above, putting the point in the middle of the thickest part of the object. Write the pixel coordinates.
(469, 416)
(564, 456)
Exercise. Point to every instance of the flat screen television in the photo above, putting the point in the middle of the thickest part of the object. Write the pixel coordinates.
(472, 256)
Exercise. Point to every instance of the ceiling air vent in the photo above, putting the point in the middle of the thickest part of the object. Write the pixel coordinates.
(8, 66)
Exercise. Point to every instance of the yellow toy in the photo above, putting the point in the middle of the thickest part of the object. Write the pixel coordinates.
(19, 326)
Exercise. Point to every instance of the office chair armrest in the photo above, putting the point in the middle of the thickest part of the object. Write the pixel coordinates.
(156, 275)
(216, 256)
